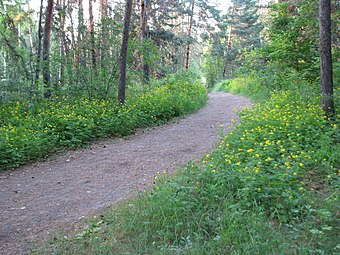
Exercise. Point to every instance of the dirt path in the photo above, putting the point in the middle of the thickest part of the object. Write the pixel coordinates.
(44, 196)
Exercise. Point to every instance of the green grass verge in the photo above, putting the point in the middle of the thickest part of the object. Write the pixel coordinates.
(270, 187)
(30, 131)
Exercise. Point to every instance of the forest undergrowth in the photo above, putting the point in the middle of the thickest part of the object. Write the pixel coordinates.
(31, 130)
(271, 186)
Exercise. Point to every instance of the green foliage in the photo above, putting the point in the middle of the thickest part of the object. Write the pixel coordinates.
(29, 131)
(14, 55)
(222, 85)
(143, 49)
(293, 34)
(238, 33)
(245, 25)
(260, 83)
(213, 68)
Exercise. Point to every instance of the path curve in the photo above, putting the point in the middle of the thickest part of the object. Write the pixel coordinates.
(41, 197)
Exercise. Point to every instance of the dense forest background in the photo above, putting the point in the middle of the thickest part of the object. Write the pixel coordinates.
(67, 49)
(71, 48)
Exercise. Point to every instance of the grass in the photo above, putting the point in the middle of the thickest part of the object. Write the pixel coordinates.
(270, 187)
(29, 131)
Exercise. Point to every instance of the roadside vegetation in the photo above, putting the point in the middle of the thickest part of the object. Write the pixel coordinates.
(270, 187)
(34, 130)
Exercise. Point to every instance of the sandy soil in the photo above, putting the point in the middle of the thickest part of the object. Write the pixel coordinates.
(38, 199)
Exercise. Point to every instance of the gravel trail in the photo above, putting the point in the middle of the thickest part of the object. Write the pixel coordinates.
(39, 198)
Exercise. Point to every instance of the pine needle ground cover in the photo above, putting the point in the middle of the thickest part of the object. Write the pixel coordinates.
(29, 131)
(270, 187)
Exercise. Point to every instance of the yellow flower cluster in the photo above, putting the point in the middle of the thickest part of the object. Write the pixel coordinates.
(273, 144)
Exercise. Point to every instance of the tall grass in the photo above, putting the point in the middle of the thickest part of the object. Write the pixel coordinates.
(270, 187)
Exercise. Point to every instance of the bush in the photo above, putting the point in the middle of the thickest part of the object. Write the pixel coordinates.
(258, 85)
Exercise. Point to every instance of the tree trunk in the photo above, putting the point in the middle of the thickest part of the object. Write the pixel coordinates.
(71, 30)
(103, 9)
(226, 60)
(80, 57)
(46, 49)
(123, 52)
(187, 53)
(91, 34)
(61, 9)
(102, 40)
(143, 36)
(326, 72)
(30, 31)
(40, 36)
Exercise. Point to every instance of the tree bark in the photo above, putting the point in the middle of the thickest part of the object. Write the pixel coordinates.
(230, 34)
(81, 30)
(91, 34)
(326, 72)
(46, 49)
(72, 48)
(143, 36)
(103, 9)
(102, 40)
(123, 52)
(187, 53)
(61, 8)
(40, 36)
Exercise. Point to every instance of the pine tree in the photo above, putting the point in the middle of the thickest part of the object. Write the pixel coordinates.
(243, 33)
(246, 28)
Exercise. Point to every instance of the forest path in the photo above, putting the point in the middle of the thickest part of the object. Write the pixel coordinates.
(40, 198)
